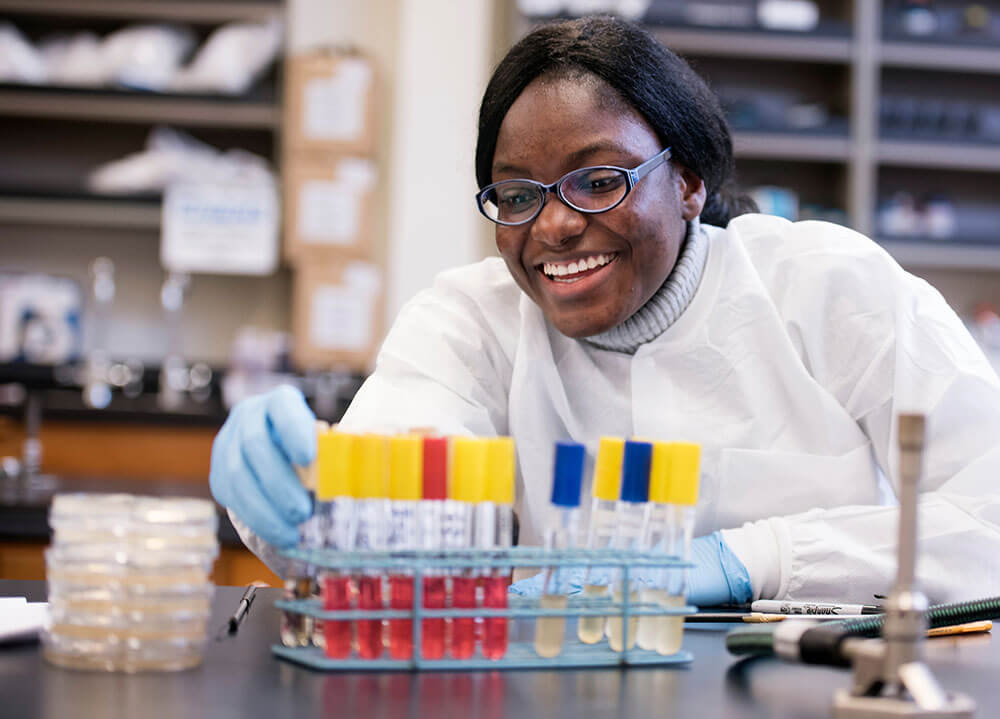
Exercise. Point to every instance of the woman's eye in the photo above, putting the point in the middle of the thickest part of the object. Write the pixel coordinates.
(597, 183)
(516, 200)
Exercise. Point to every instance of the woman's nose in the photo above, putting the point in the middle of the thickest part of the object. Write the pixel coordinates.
(557, 223)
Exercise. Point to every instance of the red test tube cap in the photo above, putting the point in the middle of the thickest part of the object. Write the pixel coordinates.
(435, 468)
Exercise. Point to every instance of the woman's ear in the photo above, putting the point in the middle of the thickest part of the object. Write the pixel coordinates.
(693, 193)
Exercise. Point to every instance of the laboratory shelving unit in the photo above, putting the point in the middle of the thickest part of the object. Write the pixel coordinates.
(854, 61)
(51, 137)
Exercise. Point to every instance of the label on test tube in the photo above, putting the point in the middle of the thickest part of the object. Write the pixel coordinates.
(468, 481)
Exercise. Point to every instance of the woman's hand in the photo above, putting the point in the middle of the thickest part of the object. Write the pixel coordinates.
(252, 459)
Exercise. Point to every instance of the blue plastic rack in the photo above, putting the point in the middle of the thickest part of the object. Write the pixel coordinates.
(520, 653)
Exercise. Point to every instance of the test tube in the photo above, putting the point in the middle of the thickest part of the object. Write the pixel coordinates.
(560, 533)
(405, 469)
(495, 525)
(431, 536)
(297, 630)
(468, 487)
(682, 496)
(656, 538)
(371, 514)
(336, 468)
(630, 514)
(600, 531)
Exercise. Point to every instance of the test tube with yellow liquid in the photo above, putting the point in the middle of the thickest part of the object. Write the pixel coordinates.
(681, 496)
(630, 513)
(560, 533)
(601, 529)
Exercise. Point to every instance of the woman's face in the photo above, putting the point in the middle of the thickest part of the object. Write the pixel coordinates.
(558, 125)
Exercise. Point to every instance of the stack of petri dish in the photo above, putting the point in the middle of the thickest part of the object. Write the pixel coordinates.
(128, 580)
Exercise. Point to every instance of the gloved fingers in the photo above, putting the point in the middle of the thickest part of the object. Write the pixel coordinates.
(260, 515)
(227, 460)
(719, 577)
(269, 469)
(292, 424)
(530, 587)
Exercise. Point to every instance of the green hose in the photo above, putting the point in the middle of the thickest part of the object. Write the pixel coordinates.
(759, 641)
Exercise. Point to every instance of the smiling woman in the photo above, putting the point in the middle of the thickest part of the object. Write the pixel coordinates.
(637, 297)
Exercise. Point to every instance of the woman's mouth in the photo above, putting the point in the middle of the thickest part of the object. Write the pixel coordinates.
(572, 271)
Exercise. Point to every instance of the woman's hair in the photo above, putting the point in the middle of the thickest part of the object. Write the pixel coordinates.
(663, 88)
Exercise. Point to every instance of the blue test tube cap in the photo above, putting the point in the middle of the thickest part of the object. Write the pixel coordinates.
(567, 475)
(635, 471)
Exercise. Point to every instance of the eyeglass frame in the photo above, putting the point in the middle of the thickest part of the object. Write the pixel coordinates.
(632, 177)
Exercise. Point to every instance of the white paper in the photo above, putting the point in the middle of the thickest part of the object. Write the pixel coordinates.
(329, 213)
(334, 107)
(340, 318)
(21, 619)
(220, 228)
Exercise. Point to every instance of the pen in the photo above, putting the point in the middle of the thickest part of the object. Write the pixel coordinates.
(761, 617)
(773, 606)
(242, 609)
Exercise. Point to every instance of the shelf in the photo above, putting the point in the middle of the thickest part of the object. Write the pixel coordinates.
(943, 254)
(755, 44)
(941, 155)
(137, 107)
(80, 211)
(941, 57)
(193, 11)
(791, 146)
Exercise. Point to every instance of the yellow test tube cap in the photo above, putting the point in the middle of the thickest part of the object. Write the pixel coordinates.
(608, 468)
(336, 460)
(500, 470)
(372, 471)
(660, 468)
(406, 465)
(468, 469)
(685, 466)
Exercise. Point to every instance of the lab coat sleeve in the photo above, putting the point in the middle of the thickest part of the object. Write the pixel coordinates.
(446, 364)
(443, 366)
(884, 342)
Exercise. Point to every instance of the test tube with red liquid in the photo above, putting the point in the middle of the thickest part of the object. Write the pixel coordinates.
(336, 486)
(371, 517)
(494, 528)
(468, 487)
(405, 470)
(430, 516)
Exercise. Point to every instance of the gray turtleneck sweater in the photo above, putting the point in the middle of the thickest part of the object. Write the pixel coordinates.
(667, 304)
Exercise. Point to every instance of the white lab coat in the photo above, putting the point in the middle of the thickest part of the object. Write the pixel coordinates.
(801, 344)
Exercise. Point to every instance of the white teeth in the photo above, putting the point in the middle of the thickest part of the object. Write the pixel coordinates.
(553, 269)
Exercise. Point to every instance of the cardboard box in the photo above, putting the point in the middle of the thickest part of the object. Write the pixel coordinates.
(329, 104)
(337, 310)
(328, 209)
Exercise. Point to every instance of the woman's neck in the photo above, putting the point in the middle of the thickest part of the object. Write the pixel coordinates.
(667, 303)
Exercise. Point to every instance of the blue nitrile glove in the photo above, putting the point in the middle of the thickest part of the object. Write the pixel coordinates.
(252, 460)
(719, 577)
(572, 578)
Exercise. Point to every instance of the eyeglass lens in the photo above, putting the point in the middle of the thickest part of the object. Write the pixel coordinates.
(590, 189)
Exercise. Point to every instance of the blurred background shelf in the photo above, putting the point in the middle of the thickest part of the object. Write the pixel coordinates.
(122, 106)
(192, 11)
(791, 146)
(814, 47)
(80, 210)
(943, 155)
(941, 56)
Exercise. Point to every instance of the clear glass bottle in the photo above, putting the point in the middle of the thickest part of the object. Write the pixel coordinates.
(560, 533)
(601, 528)
(631, 517)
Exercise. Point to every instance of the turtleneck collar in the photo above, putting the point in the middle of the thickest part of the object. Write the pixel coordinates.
(667, 304)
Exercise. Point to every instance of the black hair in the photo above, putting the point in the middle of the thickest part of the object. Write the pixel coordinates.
(662, 87)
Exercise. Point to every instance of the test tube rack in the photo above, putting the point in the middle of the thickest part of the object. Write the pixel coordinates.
(520, 610)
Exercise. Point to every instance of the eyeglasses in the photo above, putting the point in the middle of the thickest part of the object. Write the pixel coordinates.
(590, 189)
